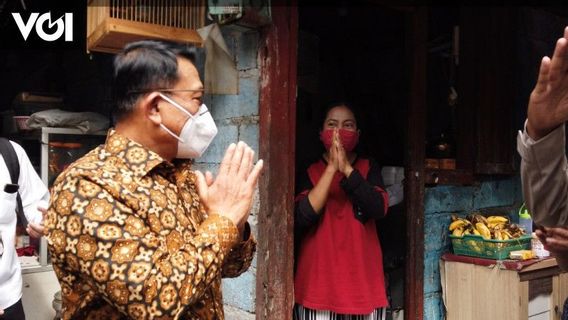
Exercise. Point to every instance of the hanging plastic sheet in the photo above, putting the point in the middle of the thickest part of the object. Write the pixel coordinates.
(221, 75)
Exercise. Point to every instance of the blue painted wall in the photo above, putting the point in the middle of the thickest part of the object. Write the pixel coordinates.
(496, 195)
(237, 119)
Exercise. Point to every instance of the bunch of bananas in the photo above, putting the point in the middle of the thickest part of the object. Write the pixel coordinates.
(492, 227)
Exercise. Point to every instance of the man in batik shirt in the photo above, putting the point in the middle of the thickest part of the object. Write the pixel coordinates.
(132, 231)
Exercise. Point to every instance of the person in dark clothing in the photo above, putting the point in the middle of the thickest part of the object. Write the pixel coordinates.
(339, 267)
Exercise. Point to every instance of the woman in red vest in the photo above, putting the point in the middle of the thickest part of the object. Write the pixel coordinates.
(339, 267)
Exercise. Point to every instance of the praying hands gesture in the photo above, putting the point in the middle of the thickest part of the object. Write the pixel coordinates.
(231, 193)
(338, 160)
(548, 103)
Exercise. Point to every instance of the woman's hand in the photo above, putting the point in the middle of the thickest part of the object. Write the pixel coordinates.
(343, 164)
(333, 156)
(548, 102)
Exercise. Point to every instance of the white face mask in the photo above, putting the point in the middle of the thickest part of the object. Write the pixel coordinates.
(196, 134)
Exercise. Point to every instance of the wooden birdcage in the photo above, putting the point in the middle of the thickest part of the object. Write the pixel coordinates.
(113, 23)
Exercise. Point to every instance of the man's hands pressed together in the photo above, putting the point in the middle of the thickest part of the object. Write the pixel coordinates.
(230, 194)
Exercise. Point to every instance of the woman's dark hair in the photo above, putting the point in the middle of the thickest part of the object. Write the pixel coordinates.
(360, 148)
(338, 103)
(144, 66)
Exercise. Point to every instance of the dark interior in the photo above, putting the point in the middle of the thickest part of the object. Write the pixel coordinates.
(356, 54)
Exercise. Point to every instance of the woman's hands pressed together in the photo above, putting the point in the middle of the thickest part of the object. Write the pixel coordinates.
(338, 159)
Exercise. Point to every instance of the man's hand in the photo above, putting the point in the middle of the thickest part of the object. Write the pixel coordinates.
(37, 230)
(555, 240)
(231, 193)
(548, 103)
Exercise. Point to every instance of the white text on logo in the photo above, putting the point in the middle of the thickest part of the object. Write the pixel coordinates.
(64, 25)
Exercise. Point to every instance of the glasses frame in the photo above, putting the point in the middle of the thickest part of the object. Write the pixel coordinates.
(177, 104)
(164, 90)
(168, 90)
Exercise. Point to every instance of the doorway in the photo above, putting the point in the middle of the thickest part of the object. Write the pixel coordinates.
(355, 53)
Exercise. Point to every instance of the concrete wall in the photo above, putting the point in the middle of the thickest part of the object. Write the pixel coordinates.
(500, 196)
(237, 119)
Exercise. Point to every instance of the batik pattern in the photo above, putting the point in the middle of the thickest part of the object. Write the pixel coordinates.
(129, 238)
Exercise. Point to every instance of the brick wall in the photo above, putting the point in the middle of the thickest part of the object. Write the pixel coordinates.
(237, 119)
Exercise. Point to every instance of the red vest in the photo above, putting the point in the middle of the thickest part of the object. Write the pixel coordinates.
(340, 262)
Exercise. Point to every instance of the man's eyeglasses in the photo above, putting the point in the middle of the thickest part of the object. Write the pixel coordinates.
(166, 90)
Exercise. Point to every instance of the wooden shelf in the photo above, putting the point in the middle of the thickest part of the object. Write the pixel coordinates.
(448, 177)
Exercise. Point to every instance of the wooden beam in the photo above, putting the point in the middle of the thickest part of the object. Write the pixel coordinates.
(416, 42)
(275, 267)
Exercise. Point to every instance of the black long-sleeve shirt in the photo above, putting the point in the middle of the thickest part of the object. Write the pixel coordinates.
(364, 194)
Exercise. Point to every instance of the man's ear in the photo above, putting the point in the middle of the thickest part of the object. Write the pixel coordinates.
(150, 106)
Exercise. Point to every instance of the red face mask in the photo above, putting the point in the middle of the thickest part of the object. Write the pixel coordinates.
(349, 139)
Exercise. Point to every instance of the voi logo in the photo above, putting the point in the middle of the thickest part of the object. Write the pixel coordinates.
(64, 25)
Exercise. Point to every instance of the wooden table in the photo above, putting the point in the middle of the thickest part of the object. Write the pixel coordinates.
(475, 288)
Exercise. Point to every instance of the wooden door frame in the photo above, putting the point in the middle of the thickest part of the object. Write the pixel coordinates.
(278, 87)
(275, 259)
(416, 39)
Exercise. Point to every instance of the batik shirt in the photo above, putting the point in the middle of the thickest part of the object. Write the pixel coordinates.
(129, 238)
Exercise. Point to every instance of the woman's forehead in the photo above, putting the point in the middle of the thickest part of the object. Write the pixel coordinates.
(340, 113)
